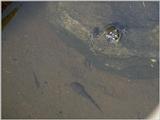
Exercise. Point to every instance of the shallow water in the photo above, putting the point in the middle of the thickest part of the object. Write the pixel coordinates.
(39, 65)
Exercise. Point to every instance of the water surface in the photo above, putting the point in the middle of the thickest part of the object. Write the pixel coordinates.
(38, 66)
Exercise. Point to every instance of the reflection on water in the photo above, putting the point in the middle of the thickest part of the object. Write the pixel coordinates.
(42, 63)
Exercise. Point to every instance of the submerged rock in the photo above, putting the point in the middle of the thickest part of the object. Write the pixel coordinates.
(91, 29)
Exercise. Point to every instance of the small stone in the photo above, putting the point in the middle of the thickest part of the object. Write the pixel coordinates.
(153, 60)
(106, 64)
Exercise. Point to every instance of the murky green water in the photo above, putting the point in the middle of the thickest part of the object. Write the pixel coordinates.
(41, 61)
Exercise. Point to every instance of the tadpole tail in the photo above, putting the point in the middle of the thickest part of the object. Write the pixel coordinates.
(97, 106)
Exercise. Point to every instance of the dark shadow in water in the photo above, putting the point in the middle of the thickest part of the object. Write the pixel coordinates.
(136, 67)
(136, 14)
